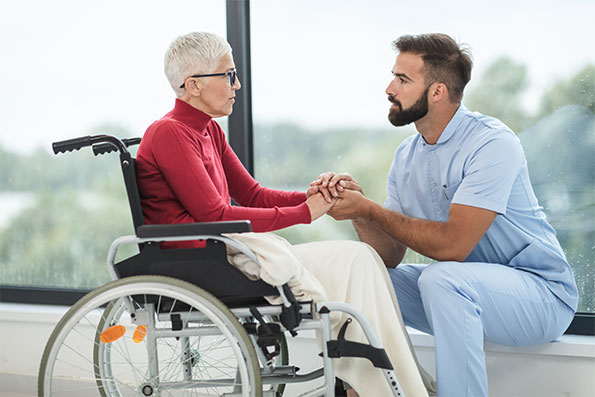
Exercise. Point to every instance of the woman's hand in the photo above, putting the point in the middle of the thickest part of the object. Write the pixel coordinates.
(318, 205)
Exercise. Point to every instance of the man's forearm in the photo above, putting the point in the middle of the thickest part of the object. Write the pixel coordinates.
(452, 240)
(430, 238)
(390, 250)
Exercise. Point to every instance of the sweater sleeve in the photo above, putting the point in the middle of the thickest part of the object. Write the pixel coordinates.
(183, 161)
(244, 189)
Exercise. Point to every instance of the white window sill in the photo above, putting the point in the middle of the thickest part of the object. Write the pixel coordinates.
(566, 345)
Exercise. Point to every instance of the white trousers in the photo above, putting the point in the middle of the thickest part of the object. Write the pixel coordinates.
(354, 273)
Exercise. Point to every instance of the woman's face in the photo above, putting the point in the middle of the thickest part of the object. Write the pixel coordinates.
(217, 95)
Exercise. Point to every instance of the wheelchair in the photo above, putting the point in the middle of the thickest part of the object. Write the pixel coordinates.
(184, 322)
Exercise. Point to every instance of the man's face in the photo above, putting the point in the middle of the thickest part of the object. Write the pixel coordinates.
(400, 117)
(407, 91)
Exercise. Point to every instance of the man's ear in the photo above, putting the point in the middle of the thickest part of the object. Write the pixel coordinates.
(438, 92)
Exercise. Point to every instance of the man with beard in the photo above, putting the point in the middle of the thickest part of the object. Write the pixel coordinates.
(459, 193)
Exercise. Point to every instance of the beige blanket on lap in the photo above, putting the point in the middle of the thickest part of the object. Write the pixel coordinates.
(341, 271)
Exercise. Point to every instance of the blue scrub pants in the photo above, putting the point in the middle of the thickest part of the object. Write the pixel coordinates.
(463, 304)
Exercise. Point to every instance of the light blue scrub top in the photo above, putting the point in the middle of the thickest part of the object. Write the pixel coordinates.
(478, 161)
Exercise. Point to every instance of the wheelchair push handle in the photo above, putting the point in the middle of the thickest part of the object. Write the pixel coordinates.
(103, 148)
(71, 144)
(101, 144)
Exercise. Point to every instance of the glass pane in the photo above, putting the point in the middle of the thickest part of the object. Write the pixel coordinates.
(319, 74)
(70, 69)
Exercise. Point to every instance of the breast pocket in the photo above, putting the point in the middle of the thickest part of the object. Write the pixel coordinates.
(446, 198)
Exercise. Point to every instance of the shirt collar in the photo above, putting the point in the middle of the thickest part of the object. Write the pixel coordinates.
(453, 124)
(189, 115)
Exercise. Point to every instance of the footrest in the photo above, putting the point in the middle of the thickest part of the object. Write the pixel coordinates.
(344, 348)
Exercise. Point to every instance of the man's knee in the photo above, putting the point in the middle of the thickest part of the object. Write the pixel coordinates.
(405, 282)
(443, 276)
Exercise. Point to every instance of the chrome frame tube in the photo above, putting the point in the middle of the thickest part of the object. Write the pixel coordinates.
(329, 370)
(152, 345)
(186, 357)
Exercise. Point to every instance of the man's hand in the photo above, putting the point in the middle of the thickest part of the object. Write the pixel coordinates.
(352, 204)
(330, 184)
(318, 205)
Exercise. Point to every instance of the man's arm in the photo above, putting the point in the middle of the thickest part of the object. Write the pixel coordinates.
(390, 250)
(450, 240)
(330, 184)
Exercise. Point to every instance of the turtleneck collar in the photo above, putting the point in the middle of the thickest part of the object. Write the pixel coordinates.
(189, 115)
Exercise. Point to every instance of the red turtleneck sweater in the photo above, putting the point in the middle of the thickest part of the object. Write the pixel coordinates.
(187, 173)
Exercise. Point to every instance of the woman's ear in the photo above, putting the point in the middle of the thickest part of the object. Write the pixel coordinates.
(193, 87)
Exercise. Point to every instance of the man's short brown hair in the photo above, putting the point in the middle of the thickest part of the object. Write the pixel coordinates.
(444, 60)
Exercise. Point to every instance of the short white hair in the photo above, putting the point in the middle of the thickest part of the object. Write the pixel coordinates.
(193, 53)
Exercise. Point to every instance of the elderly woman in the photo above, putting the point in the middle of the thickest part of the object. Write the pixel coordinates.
(188, 173)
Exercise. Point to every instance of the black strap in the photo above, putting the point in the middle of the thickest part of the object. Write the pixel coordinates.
(263, 324)
(176, 322)
(344, 348)
(290, 316)
(267, 335)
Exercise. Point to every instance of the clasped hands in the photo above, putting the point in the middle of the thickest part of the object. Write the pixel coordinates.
(339, 195)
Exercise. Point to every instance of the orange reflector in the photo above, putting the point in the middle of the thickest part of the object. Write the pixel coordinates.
(112, 334)
(139, 334)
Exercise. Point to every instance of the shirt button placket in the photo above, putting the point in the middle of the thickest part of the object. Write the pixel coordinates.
(433, 175)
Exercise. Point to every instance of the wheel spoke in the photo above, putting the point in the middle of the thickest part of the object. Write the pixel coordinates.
(76, 363)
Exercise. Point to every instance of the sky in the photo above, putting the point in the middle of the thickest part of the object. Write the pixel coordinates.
(69, 67)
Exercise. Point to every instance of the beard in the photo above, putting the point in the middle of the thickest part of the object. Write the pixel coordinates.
(400, 117)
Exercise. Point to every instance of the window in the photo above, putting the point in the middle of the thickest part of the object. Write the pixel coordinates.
(319, 71)
(71, 69)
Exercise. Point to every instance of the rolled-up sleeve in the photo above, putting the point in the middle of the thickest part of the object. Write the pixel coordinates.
(490, 172)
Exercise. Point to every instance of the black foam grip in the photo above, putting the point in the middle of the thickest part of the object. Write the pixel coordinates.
(103, 148)
(71, 144)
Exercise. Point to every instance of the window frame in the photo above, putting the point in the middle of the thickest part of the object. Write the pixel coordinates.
(240, 130)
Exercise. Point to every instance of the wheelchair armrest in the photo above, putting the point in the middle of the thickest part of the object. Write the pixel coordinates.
(193, 229)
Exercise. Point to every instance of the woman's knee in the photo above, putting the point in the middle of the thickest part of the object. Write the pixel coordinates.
(360, 253)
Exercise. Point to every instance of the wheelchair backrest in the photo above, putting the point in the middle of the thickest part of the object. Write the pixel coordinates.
(128, 164)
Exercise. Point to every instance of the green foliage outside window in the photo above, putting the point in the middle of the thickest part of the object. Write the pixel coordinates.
(558, 138)
(71, 207)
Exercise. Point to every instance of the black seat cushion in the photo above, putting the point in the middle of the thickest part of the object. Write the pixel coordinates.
(207, 268)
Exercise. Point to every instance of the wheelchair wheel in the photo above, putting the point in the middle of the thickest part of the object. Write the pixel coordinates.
(149, 336)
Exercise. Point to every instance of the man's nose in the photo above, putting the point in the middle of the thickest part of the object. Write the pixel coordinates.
(237, 85)
(389, 89)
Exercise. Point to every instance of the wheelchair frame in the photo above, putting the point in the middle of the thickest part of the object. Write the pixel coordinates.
(196, 309)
